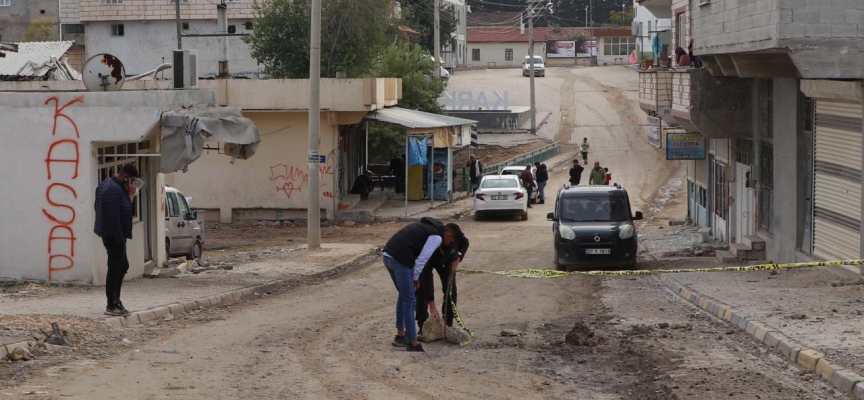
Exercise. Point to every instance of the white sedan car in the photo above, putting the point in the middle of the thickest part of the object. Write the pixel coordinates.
(501, 195)
(517, 170)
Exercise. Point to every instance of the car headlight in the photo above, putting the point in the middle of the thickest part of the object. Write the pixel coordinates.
(566, 232)
(626, 232)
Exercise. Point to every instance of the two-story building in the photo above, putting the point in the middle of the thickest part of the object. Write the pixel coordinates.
(779, 104)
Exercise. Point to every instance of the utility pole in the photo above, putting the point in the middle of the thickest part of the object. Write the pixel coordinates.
(437, 39)
(313, 215)
(179, 25)
(222, 27)
(531, 71)
(586, 16)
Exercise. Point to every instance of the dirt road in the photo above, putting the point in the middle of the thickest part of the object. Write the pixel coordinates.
(331, 340)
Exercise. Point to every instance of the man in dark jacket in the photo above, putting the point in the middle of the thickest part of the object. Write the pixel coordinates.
(576, 173)
(542, 178)
(405, 256)
(445, 261)
(475, 171)
(397, 168)
(113, 224)
(363, 186)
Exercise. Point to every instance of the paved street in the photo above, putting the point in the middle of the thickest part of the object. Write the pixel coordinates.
(328, 337)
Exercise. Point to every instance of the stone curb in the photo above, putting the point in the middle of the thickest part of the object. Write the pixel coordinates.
(843, 380)
(210, 301)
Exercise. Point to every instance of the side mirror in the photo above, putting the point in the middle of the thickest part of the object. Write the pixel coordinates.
(638, 216)
(550, 217)
(191, 216)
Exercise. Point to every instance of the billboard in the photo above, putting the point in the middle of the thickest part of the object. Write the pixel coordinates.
(685, 146)
(561, 49)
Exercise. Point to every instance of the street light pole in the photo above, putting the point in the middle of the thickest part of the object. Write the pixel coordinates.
(586, 16)
(437, 39)
(531, 70)
(313, 213)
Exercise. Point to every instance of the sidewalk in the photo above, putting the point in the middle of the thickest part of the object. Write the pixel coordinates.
(147, 294)
(819, 319)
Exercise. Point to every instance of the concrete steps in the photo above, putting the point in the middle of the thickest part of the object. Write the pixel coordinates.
(725, 257)
(751, 248)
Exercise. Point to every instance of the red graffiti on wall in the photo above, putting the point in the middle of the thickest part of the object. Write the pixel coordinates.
(162, 199)
(58, 193)
(296, 179)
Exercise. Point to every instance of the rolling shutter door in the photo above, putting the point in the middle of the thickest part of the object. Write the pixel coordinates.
(837, 183)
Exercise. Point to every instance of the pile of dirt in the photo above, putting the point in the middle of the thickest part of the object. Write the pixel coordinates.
(583, 335)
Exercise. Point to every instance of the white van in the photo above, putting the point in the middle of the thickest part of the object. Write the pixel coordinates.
(539, 66)
(184, 235)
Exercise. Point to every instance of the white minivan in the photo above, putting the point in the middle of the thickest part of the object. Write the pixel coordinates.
(184, 235)
(539, 66)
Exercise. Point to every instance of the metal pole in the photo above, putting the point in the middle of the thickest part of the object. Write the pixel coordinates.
(437, 38)
(313, 225)
(222, 21)
(179, 26)
(531, 60)
(586, 22)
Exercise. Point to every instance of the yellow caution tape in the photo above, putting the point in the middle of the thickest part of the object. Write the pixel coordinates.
(456, 313)
(536, 273)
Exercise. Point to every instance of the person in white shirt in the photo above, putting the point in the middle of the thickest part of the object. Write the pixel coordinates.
(584, 147)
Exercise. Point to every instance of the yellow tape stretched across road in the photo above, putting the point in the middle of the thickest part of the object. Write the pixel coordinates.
(548, 273)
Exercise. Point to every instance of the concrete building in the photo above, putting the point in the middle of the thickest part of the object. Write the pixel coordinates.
(40, 17)
(779, 103)
(65, 142)
(614, 45)
(455, 52)
(502, 47)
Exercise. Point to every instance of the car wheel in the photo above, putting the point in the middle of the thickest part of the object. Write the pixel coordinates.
(558, 265)
(525, 216)
(167, 248)
(195, 253)
(477, 217)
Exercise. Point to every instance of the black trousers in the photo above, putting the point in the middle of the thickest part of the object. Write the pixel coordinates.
(118, 265)
(422, 311)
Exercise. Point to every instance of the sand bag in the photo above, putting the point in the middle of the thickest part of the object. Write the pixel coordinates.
(432, 330)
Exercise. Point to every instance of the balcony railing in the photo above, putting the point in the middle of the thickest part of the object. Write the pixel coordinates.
(680, 93)
(655, 93)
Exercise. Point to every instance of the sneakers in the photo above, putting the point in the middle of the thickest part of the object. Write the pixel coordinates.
(400, 341)
(109, 310)
(117, 311)
(418, 348)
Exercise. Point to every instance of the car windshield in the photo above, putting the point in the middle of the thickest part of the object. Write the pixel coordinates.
(599, 208)
(537, 60)
(512, 172)
(499, 184)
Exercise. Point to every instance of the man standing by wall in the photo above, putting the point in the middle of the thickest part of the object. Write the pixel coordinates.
(113, 224)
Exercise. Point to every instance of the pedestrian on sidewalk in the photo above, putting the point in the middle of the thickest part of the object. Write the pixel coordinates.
(598, 175)
(608, 175)
(528, 181)
(445, 261)
(113, 224)
(397, 169)
(405, 256)
(475, 171)
(542, 178)
(576, 173)
(584, 147)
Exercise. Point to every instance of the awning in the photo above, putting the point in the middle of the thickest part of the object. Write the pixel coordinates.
(185, 131)
(445, 130)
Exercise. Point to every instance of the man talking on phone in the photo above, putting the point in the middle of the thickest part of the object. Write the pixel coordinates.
(113, 224)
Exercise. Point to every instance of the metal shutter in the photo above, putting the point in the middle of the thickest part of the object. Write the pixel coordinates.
(837, 183)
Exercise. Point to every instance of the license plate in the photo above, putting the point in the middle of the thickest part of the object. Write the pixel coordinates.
(597, 251)
(502, 197)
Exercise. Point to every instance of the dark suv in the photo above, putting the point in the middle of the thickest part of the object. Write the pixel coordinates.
(593, 227)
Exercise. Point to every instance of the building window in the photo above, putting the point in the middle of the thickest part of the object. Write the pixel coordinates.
(721, 194)
(111, 1)
(184, 26)
(110, 159)
(248, 25)
(508, 54)
(181, 1)
(117, 30)
(5, 3)
(743, 151)
(680, 30)
(475, 54)
(72, 29)
(619, 46)
(765, 130)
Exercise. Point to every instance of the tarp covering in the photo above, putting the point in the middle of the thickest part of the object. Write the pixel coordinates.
(185, 131)
(417, 148)
(444, 129)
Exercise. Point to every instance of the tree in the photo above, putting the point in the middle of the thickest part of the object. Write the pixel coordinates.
(353, 32)
(39, 31)
(421, 86)
(572, 12)
(420, 16)
(618, 18)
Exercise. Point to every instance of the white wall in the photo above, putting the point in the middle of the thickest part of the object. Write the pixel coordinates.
(494, 52)
(57, 196)
(644, 16)
(274, 181)
(145, 43)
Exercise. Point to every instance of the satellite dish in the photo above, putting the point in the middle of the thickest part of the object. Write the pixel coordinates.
(103, 73)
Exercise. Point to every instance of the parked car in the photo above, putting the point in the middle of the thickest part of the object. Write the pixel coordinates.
(501, 195)
(593, 227)
(539, 66)
(184, 236)
(517, 170)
